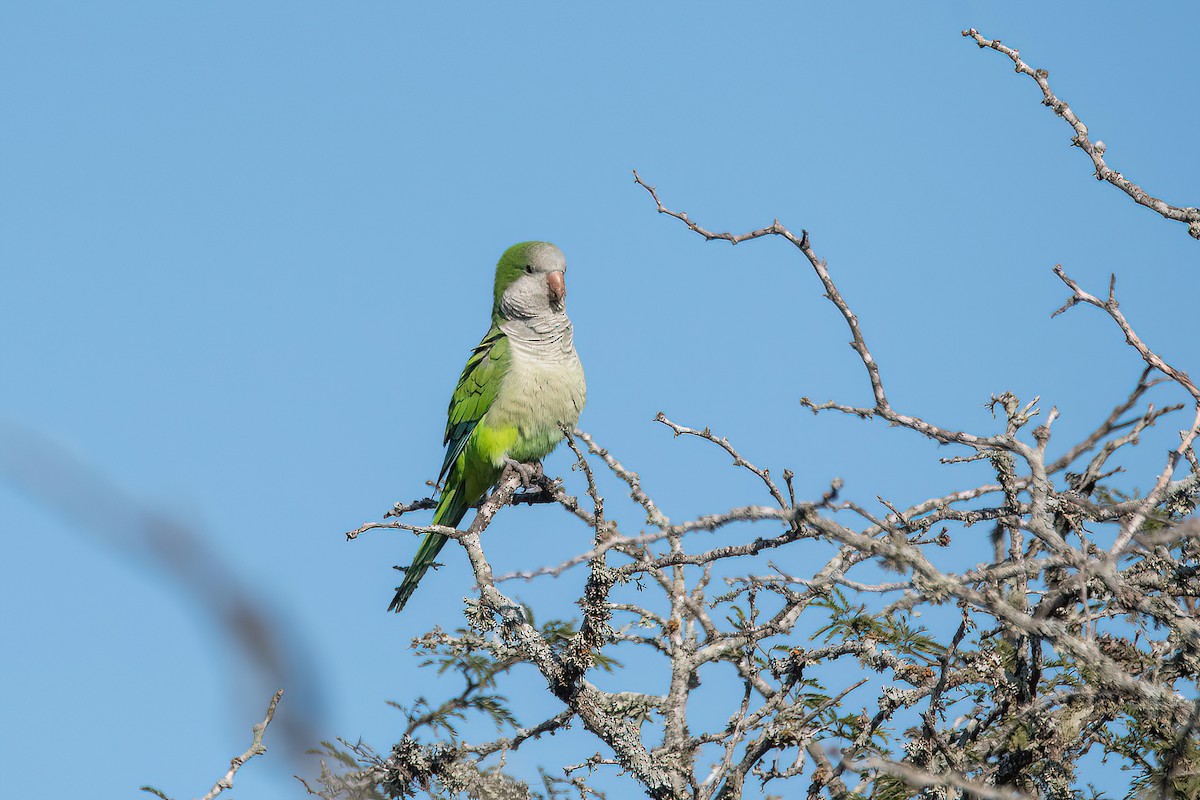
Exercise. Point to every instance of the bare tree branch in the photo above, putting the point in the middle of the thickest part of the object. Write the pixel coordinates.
(1078, 633)
(1095, 150)
(256, 748)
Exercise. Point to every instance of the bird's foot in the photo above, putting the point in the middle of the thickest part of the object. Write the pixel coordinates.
(531, 474)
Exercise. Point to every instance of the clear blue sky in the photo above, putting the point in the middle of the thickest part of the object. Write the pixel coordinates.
(246, 248)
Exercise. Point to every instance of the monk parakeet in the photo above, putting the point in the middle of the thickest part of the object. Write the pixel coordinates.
(521, 384)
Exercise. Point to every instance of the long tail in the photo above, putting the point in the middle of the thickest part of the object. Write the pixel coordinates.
(450, 511)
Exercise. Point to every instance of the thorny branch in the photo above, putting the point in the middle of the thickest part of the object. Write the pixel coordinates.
(1095, 150)
(1077, 636)
(1001, 718)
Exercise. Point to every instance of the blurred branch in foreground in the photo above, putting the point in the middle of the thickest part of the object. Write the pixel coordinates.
(57, 480)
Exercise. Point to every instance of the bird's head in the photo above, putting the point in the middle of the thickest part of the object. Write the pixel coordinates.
(530, 282)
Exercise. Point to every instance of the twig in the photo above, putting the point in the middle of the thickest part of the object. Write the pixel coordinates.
(882, 407)
(738, 460)
(1096, 150)
(920, 779)
(1132, 523)
(546, 494)
(256, 748)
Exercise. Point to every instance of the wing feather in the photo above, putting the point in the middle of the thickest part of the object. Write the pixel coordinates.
(476, 390)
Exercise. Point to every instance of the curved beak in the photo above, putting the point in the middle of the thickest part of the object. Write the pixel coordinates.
(557, 285)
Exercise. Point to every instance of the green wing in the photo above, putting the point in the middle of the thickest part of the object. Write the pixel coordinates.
(477, 388)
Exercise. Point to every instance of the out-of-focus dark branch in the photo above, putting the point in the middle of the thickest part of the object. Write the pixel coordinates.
(54, 478)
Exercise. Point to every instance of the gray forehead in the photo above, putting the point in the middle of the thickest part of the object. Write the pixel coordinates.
(545, 257)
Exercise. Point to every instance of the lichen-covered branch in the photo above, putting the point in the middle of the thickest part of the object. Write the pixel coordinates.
(862, 647)
(983, 711)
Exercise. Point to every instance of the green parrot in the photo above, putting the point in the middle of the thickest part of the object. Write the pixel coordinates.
(521, 383)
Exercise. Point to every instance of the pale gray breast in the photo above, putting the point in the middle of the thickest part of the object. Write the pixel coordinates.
(545, 386)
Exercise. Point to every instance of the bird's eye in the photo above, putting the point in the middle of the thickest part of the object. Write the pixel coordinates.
(528, 269)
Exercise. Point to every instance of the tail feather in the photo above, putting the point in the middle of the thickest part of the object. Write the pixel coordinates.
(450, 511)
